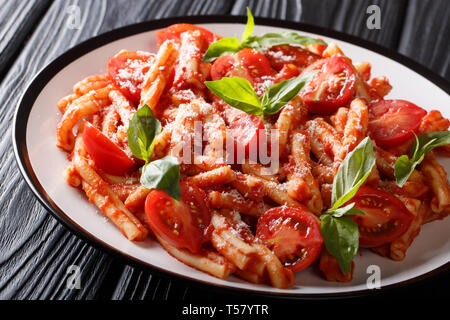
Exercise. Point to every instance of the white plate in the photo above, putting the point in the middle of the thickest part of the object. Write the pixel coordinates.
(42, 163)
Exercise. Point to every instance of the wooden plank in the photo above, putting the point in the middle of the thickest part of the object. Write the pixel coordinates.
(36, 250)
(426, 34)
(277, 9)
(17, 20)
(348, 16)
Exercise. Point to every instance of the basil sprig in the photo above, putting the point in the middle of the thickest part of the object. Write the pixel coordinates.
(404, 166)
(162, 174)
(240, 94)
(281, 93)
(271, 39)
(142, 130)
(341, 238)
(231, 45)
(340, 233)
(352, 173)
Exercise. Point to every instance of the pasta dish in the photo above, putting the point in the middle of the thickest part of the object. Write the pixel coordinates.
(256, 157)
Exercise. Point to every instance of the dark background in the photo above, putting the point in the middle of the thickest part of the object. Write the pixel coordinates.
(35, 250)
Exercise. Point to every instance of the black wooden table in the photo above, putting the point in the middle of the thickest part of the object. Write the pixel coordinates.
(36, 250)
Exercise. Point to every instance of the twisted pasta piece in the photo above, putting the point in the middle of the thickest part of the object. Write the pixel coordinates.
(437, 180)
(156, 77)
(356, 126)
(191, 71)
(301, 184)
(232, 238)
(91, 83)
(86, 105)
(206, 260)
(325, 142)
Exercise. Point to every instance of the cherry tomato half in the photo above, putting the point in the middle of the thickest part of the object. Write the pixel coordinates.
(331, 88)
(180, 223)
(174, 31)
(292, 234)
(105, 153)
(225, 66)
(288, 71)
(255, 63)
(385, 220)
(392, 122)
(284, 54)
(127, 70)
(247, 131)
(247, 63)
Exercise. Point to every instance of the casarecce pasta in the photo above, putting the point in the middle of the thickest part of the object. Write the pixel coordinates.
(229, 212)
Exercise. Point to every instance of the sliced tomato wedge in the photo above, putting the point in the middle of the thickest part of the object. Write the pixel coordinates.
(247, 131)
(385, 220)
(392, 122)
(247, 63)
(174, 31)
(292, 234)
(257, 65)
(105, 153)
(331, 88)
(225, 66)
(127, 70)
(281, 55)
(180, 223)
(288, 71)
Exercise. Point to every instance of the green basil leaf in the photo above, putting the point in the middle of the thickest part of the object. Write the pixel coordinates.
(238, 93)
(404, 166)
(222, 47)
(249, 27)
(230, 45)
(345, 211)
(352, 173)
(429, 141)
(274, 39)
(341, 238)
(341, 234)
(402, 169)
(164, 175)
(281, 93)
(142, 130)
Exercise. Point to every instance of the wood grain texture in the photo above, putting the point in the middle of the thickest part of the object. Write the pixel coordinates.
(17, 20)
(348, 16)
(426, 35)
(35, 250)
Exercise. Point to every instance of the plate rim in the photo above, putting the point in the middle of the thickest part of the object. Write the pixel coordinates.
(45, 74)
